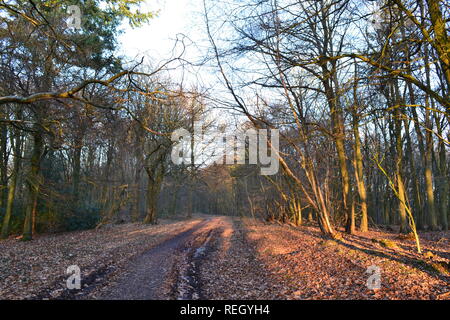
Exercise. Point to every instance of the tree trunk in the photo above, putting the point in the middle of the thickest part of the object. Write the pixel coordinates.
(150, 218)
(310, 215)
(135, 209)
(190, 208)
(398, 120)
(364, 225)
(173, 208)
(417, 199)
(297, 210)
(3, 165)
(444, 192)
(77, 170)
(350, 225)
(33, 184)
(401, 196)
(154, 187)
(339, 136)
(432, 219)
(441, 38)
(12, 186)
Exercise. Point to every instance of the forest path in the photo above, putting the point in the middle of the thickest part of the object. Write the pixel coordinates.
(216, 257)
(168, 270)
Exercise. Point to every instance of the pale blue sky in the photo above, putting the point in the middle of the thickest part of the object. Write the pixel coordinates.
(156, 40)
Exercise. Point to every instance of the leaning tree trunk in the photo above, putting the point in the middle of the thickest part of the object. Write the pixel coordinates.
(441, 39)
(398, 172)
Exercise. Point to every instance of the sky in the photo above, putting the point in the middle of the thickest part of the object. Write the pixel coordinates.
(156, 40)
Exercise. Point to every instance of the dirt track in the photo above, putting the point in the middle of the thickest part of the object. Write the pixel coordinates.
(211, 257)
(170, 269)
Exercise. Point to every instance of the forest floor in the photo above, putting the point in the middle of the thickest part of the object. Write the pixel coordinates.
(211, 257)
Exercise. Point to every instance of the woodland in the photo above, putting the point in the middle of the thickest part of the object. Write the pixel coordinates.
(359, 91)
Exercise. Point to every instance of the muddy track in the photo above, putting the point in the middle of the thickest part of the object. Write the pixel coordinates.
(167, 271)
(89, 284)
(186, 283)
(137, 271)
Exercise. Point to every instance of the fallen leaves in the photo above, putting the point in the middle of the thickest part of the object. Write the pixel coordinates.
(37, 269)
(319, 268)
(239, 259)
